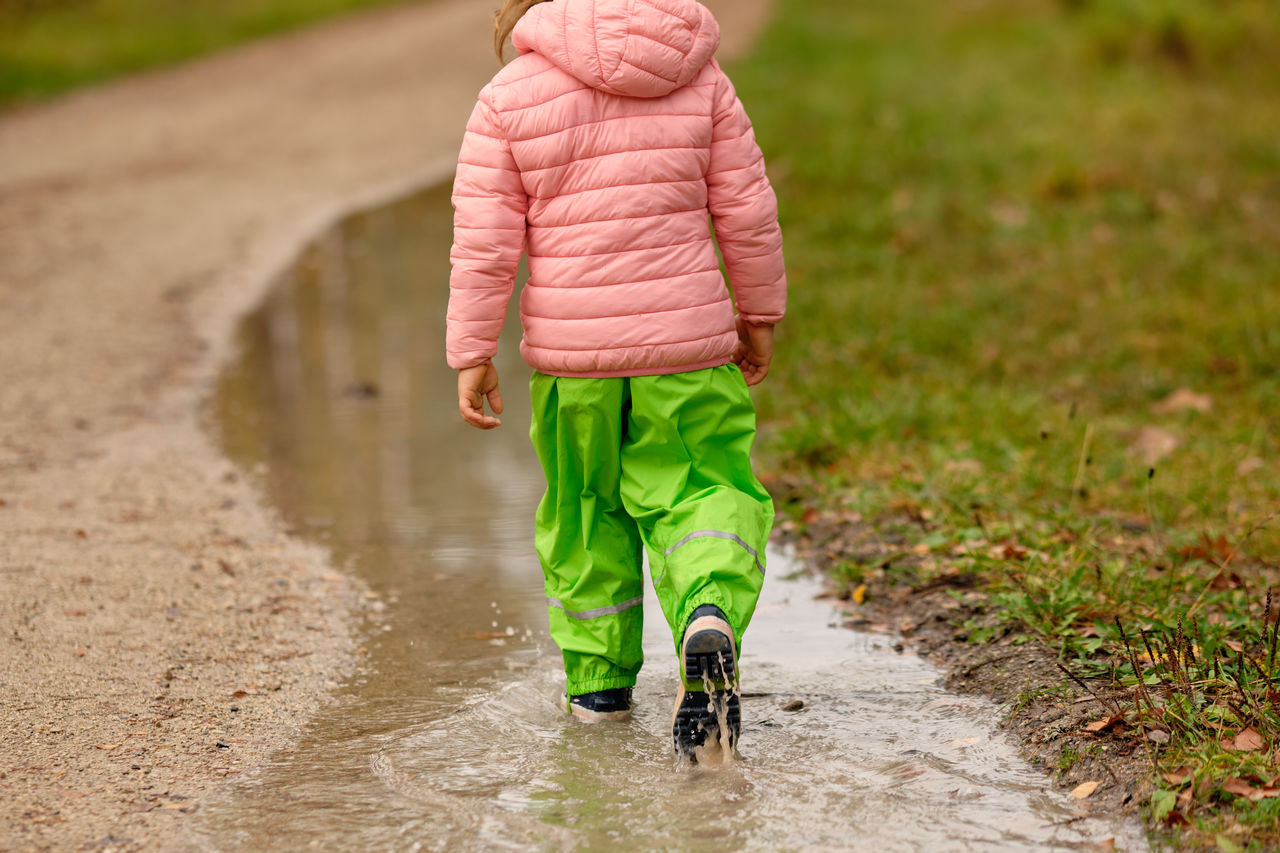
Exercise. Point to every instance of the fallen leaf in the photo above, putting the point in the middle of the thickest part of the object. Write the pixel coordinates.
(1224, 365)
(860, 593)
(1014, 552)
(1009, 215)
(810, 516)
(1151, 444)
(1248, 740)
(1103, 725)
(793, 705)
(1217, 551)
(1178, 775)
(1146, 659)
(1183, 400)
(967, 467)
(1084, 789)
(1226, 580)
(1248, 465)
(1244, 788)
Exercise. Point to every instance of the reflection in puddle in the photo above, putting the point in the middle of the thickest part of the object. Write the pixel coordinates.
(450, 737)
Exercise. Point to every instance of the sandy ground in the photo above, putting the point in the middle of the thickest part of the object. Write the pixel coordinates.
(163, 634)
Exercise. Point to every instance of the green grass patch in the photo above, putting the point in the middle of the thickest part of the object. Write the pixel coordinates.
(1034, 330)
(50, 46)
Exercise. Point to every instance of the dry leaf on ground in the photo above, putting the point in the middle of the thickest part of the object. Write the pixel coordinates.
(1151, 444)
(1103, 725)
(1084, 789)
(1236, 785)
(1248, 465)
(1243, 788)
(1248, 740)
(1183, 400)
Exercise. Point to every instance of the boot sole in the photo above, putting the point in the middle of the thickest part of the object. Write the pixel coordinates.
(708, 657)
(697, 718)
(708, 654)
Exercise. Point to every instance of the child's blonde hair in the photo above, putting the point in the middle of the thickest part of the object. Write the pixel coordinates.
(504, 21)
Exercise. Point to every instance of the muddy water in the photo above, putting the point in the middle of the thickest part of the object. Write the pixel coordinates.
(449, 737)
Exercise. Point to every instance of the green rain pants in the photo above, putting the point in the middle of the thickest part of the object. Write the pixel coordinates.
(660, 462)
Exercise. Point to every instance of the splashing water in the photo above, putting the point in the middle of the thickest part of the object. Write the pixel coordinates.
(719, 746)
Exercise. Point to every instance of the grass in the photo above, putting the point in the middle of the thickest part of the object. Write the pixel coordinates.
(1034, 336)
(51, 46)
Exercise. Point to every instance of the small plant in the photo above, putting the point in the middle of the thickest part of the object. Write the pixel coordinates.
(1207, 693)
(1068, 758)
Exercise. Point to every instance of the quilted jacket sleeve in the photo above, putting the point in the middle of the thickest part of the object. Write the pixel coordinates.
(744, 211)
(489, 205)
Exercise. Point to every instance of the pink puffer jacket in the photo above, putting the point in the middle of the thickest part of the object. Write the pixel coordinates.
(600, 152)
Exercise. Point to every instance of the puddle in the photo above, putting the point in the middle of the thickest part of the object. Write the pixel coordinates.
(449, 737)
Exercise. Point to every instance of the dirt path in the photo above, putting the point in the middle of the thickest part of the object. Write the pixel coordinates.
(163, 633)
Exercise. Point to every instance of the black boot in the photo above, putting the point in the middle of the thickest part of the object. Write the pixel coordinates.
(707, 708)
(613, 704)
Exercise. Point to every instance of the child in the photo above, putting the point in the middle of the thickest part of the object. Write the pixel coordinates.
(601, 152)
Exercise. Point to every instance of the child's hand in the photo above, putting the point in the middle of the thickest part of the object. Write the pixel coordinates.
(474, 384)
(755, 351)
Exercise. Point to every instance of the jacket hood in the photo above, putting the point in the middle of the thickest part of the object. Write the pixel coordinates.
(637, 48)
